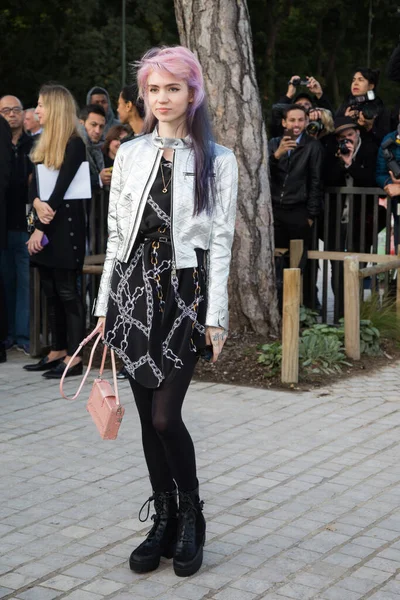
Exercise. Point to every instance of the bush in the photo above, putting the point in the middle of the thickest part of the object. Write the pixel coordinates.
(381, 312)
(321, 353)
(308, 317)
(322, 329)
(369, 338)
(271, 357)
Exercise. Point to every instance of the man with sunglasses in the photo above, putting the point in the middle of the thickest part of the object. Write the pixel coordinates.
(15, 258)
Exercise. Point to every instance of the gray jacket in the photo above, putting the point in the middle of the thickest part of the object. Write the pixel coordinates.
(135, 169)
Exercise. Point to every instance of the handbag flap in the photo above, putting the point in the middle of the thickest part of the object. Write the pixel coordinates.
(102, 389)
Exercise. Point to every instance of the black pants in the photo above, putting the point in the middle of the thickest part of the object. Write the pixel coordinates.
(292, 224)
(167, 445)
(65, 307)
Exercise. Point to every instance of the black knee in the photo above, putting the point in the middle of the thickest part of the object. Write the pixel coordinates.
(165, 425)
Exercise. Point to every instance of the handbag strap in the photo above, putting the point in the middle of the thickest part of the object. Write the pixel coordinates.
(83, 343)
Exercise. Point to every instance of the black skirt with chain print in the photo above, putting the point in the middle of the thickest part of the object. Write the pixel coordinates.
(156, 316)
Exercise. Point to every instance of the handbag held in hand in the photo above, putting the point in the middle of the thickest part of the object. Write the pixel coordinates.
(103, 404)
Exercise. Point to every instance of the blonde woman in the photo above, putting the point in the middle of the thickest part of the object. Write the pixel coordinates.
(57, 245)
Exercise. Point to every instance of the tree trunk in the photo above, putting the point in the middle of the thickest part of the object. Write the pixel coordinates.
(218, 32)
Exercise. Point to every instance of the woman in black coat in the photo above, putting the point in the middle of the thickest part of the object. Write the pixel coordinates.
(372, 117)
(57, 245)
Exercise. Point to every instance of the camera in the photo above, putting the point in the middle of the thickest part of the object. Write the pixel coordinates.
(343, 148)
(296, 81)
(365, 104)
(388, 155)
(314, 127)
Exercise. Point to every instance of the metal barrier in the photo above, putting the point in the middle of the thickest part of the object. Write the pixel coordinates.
(351, 221)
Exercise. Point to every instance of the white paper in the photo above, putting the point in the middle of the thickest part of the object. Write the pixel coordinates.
(78, 189)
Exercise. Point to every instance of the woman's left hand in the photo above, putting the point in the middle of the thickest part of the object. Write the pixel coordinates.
(216, 337)
(35, 242)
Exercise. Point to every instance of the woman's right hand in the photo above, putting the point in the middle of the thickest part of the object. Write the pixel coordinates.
(44, 211)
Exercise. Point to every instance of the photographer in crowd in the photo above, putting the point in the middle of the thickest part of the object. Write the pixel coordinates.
(350, 161)
(296, 184)
(365, 107)
(388, 173)
(314, 96)
(320, 125)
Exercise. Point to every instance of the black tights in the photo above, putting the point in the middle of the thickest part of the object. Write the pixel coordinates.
(167, 445)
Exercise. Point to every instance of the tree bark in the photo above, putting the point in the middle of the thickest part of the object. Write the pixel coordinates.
(219, 33)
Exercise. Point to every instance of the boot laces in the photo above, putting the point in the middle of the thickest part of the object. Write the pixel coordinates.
(148, 502)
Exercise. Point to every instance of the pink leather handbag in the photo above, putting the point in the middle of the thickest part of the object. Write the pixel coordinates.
(103, 404)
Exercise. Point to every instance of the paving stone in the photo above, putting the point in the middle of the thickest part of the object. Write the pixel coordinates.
(301, 494)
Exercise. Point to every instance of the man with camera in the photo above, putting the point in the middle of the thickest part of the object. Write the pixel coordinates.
(311, 97)
(388, 173)
(350, 161)
(295, 161)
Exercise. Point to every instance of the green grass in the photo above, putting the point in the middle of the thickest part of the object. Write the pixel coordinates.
(382, 315)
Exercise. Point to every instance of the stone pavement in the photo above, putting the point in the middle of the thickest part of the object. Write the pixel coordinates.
(301, 491)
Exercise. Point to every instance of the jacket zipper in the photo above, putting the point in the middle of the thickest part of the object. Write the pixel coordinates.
(173, 269)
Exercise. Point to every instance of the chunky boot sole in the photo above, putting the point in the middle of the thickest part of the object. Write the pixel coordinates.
(190, 568)
(150, 564)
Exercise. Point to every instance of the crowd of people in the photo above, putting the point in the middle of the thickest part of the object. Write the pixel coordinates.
(314, 147)
(21, 132)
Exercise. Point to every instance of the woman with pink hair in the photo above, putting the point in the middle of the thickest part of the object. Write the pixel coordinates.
(163, 297)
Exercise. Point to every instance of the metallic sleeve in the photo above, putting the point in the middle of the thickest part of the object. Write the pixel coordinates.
(222, 232)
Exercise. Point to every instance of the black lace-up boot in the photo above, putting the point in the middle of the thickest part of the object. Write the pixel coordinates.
(161, 539)
(188, 555)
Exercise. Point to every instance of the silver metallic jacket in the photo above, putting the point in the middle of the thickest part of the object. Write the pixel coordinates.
(135, 169)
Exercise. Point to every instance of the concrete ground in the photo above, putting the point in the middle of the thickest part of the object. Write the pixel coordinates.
(301, 491)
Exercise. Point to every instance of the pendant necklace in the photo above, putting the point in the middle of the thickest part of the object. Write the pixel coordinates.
(165, 188)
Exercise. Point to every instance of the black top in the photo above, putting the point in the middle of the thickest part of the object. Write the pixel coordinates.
(5, 173)
(66, 232)
(17, 193)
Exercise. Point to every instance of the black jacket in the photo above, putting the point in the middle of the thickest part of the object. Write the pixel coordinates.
(17, 192)
(66, 232)
(362, 169)
(6, 155)
(297, 179)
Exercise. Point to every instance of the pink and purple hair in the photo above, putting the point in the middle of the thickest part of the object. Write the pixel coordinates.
(182, 64)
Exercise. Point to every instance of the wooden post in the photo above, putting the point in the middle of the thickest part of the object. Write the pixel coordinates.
(398, 285)
(352, 307)
(295, 254)
(290, 326)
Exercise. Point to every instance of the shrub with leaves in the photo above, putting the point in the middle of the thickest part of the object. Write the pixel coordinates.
(271, 356)
(308, 317)
(322, 353)
(382, 313)
(322, 329)
(369, 338)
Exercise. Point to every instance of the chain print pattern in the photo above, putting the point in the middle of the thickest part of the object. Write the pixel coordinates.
(153, 323)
